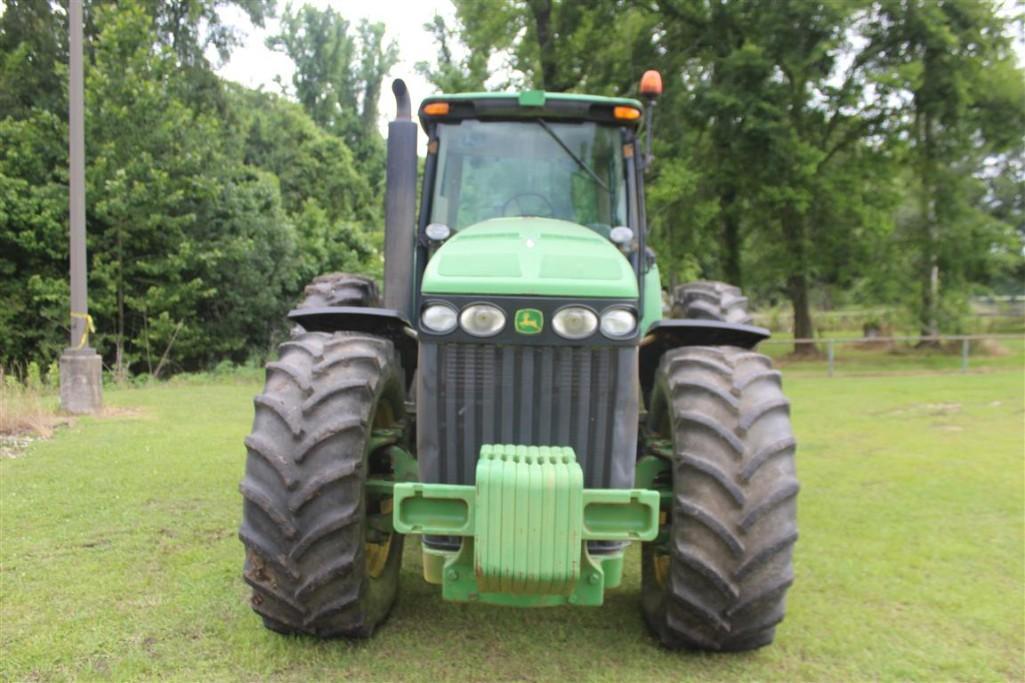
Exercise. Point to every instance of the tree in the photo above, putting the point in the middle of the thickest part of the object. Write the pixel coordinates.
(195, 252)
(31, 44)
(449, 74)
(154, 167)
(33, 237)
(277, 135)
(775, 108)
(188, 27)
(813, 114)
(962, 96)
(559, 45)
(338, 77)
(326, 196)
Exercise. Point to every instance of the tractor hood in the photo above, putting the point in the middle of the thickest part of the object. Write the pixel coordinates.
(530, 256)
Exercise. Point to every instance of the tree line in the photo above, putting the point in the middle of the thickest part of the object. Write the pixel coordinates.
(209, 205)
(821, 153)
(818, 153)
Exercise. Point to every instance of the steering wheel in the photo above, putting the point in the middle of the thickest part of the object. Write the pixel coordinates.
(516, 198)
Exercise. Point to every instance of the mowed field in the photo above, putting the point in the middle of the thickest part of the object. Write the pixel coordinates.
(119, 559)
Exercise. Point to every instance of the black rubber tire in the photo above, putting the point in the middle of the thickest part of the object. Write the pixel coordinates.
(708, 300)
(304, 503)
(726, 561)
(340, 289)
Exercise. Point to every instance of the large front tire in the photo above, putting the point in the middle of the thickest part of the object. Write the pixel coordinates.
(717, 577)
(314, 563)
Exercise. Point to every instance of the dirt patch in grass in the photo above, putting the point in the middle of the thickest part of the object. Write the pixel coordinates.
(30, 415)
(121, 411)
(24, 419)
(920, 409)
(13, 446)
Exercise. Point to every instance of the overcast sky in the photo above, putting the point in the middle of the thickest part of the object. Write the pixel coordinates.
(253, 65)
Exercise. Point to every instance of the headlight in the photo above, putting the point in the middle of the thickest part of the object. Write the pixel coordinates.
(439, 318)
(482, 320)
(618, 323)
(575, 322)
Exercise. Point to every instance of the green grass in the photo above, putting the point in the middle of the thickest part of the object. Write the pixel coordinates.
(118, 555)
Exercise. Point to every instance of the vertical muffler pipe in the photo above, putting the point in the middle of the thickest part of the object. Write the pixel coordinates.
(400, 206)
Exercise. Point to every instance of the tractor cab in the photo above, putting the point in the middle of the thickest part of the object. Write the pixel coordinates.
(531, 155)
(533, 194)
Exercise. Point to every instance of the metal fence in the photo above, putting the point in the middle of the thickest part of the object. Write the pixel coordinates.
(830, 344)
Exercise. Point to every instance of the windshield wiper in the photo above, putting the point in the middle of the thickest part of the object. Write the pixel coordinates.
(580, 162)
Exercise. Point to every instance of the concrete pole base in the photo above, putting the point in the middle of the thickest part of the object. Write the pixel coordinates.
(81, 381)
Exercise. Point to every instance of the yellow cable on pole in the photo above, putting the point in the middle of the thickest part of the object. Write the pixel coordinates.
(86, 329)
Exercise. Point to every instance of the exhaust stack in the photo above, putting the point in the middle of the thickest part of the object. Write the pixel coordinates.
(400, 205)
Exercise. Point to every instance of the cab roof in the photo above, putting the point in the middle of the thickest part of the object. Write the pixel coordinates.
(532, 104)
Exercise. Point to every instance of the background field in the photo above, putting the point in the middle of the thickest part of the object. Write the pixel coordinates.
(118, 555)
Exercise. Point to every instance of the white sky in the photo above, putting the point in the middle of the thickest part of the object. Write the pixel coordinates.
(254, 65)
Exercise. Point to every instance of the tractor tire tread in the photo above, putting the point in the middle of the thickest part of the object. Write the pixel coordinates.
(340, 289)
(730, 544)
(303, 520)
(709, 300)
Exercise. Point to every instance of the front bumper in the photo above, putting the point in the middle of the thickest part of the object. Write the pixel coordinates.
(525, 525)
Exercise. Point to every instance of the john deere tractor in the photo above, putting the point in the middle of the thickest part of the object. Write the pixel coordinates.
(518, 400)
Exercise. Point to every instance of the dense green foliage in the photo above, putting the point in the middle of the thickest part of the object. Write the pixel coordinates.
(209, 205)
(818, 153)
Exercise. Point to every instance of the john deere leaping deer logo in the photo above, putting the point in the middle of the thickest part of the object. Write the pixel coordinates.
(529, 321)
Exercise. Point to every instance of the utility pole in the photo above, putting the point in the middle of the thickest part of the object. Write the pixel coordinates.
(80, 367)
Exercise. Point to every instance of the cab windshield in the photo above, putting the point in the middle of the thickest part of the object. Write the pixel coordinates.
(572, 171)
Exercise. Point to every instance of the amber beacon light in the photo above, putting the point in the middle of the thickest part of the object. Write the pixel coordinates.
(651, 83)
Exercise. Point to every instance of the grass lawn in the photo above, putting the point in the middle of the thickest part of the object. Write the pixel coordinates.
(118, 555)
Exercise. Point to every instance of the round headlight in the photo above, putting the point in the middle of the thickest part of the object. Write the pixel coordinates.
(618, 323)
(575, 322)
(482, 320)
(439, 318)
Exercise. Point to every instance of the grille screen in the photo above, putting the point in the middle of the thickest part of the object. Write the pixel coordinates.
(535, 395)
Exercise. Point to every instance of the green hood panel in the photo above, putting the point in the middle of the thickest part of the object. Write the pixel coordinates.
(528, 255)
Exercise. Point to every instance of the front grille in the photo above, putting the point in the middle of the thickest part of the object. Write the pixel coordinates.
(472, 394)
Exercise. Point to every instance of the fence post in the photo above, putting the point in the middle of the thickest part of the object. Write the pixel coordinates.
(965, 343)
(829, 351)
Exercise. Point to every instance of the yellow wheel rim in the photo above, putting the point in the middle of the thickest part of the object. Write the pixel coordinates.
(377, 553)
(661, 570)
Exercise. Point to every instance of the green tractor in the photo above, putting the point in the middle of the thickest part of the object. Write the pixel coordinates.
(518, 400)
